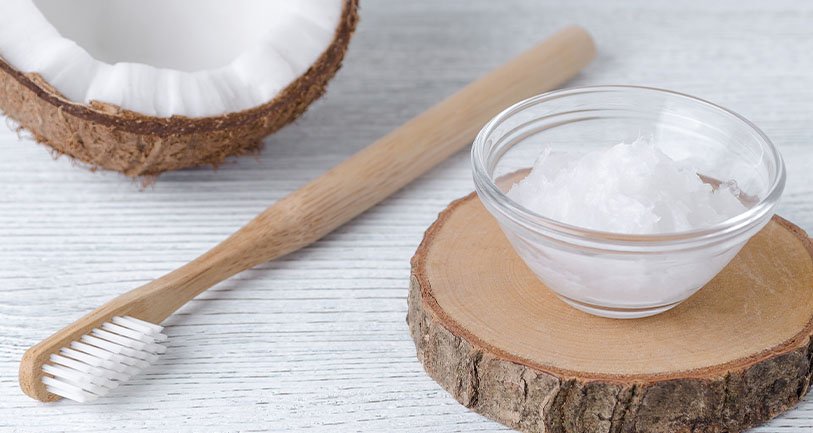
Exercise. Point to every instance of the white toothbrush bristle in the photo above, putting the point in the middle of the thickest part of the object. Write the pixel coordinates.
(141, 326)
(109, 355)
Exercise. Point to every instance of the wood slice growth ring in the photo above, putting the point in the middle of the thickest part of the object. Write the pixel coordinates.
(732, 356)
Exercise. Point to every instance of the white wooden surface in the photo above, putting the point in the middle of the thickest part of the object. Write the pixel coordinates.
(317, 341)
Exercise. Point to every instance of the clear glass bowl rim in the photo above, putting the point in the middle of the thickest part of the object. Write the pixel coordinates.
(488, 190)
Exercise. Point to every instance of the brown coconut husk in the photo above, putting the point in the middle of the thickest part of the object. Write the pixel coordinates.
(106, 136)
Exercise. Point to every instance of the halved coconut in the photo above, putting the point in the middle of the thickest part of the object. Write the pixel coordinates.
(147, 86)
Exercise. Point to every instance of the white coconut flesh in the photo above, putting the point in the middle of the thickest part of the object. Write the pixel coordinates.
(161, 58)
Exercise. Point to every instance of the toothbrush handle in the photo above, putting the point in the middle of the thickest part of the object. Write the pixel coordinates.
(382, 168)
(338, 195)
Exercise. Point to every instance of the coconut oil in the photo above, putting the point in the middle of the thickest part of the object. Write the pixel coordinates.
(634, 229)
(629, 188)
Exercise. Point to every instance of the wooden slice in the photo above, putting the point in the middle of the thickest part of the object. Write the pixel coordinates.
(487, 330)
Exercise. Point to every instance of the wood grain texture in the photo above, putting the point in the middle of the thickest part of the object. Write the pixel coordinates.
(732, 356)
(317, 341)
(336, 197)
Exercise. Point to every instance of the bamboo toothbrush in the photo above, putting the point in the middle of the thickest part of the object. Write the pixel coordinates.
(97, 352)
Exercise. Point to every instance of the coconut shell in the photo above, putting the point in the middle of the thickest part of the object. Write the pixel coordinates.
(106, 136)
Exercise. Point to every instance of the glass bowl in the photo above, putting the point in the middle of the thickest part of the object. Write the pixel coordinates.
(625, 275)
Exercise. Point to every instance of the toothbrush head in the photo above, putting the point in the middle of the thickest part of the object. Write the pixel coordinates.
(100, 360)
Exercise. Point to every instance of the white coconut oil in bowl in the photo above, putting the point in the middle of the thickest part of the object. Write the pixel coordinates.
(638, 197)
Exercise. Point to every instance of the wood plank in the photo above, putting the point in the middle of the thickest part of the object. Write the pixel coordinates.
(285, 346)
